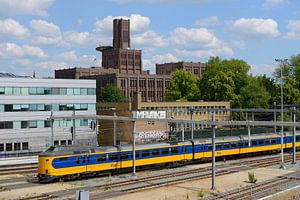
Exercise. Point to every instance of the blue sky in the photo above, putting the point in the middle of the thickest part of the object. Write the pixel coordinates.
(43, 35)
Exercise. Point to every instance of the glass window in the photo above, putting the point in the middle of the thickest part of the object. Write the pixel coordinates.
(77, 106)
(40, 107)
(24, 124)
(32, 124)
(32, 91)
(145, 153)
(83, 106)
(25, 146)
(47, 123)
(91, 107)
(8, 146)
(124, 155)
(16, 107)
(1, 108)
(16, 91)
(17, 124)
(91, 91)
(70, 107)
(63, 91)
(55, 107)
(101, 158)
(6, 125)
(32, 107)
(62, 107)
(76, 91)
(1, 147)
(165, 151)
(69, 91)
(112, 156)
(47, 107)
(56, 124)
(24, 91)
(40, 124)
(8, 91)
(55, 91)
(83, 91)
(47, 91)
(2, 90)
(174, 150)
(17, 146)
(56, 142)
(24, 107)
(63, 142)
(69, 142)
(40, 91)
(84, 122)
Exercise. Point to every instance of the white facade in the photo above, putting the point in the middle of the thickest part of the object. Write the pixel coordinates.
(26, 104)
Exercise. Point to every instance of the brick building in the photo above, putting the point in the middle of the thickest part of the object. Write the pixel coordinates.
(196, 69)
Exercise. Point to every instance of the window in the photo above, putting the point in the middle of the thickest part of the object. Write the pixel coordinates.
(17, 146)
(165, 151)
(39, 91)
(24, 107)
(174, 150)
(8, 107)
(83, 106)
(226, 146)
(16, 107)
(25, 146)
(240, 144)
(83, 91)
(218, 146)
(40, 107)
(124, 155)
(63, 142)
(63, 91)
(101, 158)
(2, 90)
(137, 154)
(32, 124)
(113, 156)
(78, 160)
(209, 147)
(32, 107)
(145, 153)
(91, 91)
(8, 146)
(56, 142)
(267, 142)
(155, 152)
(260, 142)
(47, 123)
(16, 91)
(63, 158)
(298, 138)
(32, 91)
(254, 143)
(8, 91)
(233, 145)
(47, 91)
(69, 91)
(69, 142)
(1, 147)
(273, 141)
(55, 91)
(84, 122)
(16, 124)
(76, 91)
(6, 125)
(24, 91)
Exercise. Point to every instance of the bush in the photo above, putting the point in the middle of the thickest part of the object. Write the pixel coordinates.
(251, 177)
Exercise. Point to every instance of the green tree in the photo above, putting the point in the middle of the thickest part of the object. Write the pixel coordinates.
(183, 86)
(255, 95)
(230, 76)
(111, 93)
(291, 94)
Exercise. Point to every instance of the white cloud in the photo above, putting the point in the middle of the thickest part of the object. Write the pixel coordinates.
(23, 62)
(10, 27)
(45, 33)
(67, 56)
(255, 27)
(210, 21)
(149, 39)
(74, 37)
(199, 43)
(269, 4)
(17, 7)
(51, 65)
(260, 69)
(12, 50)
(138, 23)
(164, 58)
(294, 27)
(238, 43)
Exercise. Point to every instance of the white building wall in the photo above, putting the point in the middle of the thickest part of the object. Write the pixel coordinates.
(40, 138)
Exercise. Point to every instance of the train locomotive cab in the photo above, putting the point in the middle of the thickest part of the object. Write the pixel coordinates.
(44, 165)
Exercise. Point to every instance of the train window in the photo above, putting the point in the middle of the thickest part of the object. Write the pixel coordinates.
(209, 147)
(137, 154)
(101, 158)
(226, 146)
(78, 160)
(63, 158)
(155, 152)
(267, 141)
(298, 138)
(174, 150)
(113, 156)
(240, 144)
(8, 146)
(165, 151)
(25, 146)
(218, 146)
(145, 154)
(233, 145)
(124, 156)
(273, 141)
(260, 142)
(1, 147)
(183, 149)
(254, 143)
(56, 142)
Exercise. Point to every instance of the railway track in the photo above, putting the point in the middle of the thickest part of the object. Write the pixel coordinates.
(18, 169)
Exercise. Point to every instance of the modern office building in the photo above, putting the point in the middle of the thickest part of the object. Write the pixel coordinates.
(26, 105)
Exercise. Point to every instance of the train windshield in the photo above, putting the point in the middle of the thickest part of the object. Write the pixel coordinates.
(50, 149)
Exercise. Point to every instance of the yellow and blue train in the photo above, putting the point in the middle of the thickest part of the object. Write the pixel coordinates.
(69, 162)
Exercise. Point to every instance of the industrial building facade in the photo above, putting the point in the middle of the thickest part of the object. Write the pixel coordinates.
(27, 103)
(197, 69)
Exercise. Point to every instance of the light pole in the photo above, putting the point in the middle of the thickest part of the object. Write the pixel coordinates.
(281, 62)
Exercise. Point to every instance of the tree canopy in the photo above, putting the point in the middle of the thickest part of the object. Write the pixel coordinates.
(183, 86)
(111, 93)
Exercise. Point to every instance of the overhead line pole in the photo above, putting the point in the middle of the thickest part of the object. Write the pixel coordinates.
(213, 187)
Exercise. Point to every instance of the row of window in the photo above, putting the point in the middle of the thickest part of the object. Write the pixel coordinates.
(45, 107)
(46, 91)
(17, 146)
(42, 124)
